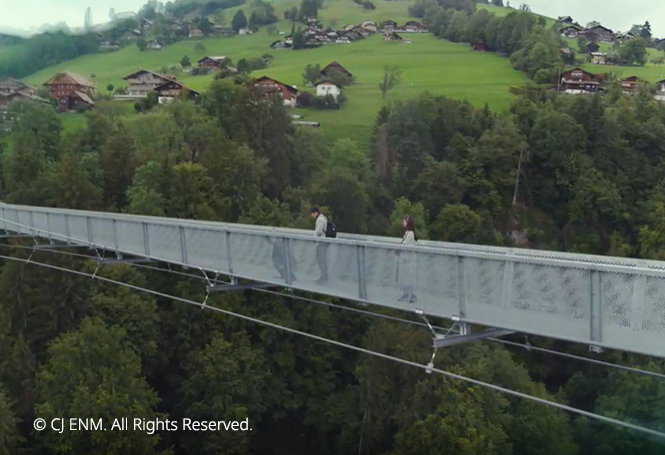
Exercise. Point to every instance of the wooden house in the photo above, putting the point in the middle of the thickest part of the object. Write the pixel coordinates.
(212, 62)
(569, 31)
(370, 26)
(348, 27)
(154, 46)
(270, 87)
(577, 81)
(629, 85)
(342, 40)
(142, 82)
(414, 27)
(388, 26)
(565, 19)
(603, 33)
(9, 85)
(170, 90)
(334, 66)
(479, 46)
(70, 90)
(12, 90)
(592, 47)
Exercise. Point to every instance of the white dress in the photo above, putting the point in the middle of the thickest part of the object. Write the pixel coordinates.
(407, 264)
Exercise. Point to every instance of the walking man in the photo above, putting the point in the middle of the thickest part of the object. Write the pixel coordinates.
(321, 230)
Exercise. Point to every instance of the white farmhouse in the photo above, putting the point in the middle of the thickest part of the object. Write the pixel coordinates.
(328, 88)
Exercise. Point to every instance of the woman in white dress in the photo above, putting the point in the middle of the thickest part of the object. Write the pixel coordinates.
(407, 262)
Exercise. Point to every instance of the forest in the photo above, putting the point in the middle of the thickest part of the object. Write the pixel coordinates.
(579, 174)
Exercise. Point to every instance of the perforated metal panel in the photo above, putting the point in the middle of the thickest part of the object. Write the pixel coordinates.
(78, 226)
(613, 302)
(207, 248)
(130, 237)
(164, 243)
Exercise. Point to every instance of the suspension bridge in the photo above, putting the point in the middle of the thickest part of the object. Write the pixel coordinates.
(603, 302)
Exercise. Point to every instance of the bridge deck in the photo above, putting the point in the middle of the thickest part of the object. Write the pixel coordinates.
(612, 302)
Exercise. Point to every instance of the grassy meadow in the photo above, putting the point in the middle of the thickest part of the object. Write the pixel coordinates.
(427, 64)
(649, 72)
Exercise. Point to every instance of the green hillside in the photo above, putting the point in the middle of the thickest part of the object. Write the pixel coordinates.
(502, 11)
(427, 64)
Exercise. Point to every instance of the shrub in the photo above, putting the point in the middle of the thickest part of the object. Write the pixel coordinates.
(305, 99)
(325, 102)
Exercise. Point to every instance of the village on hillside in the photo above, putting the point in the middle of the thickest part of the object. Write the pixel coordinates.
(74, 92)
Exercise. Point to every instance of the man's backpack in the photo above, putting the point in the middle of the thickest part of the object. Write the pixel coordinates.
(331, 229)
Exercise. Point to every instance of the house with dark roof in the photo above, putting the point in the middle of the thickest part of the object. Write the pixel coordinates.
(334, 66)
(71, 90)
(9, 85)
(212, 62)
(414, 27)
(629, 85)
(13, 90)
(388, 26)
(569, 31)
(173, 89)
(267, 86)
(592, 47)
(602, 33)
(143, 81)
(577, 81)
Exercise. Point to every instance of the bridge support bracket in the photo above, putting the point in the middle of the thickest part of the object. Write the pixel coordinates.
(239, 287)
(596, 349)
(443, 341)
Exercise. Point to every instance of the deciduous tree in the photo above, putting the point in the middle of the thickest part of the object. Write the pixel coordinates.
(391, 78)
(107, 385)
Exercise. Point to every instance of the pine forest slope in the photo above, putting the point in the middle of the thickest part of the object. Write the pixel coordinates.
(427, 64)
